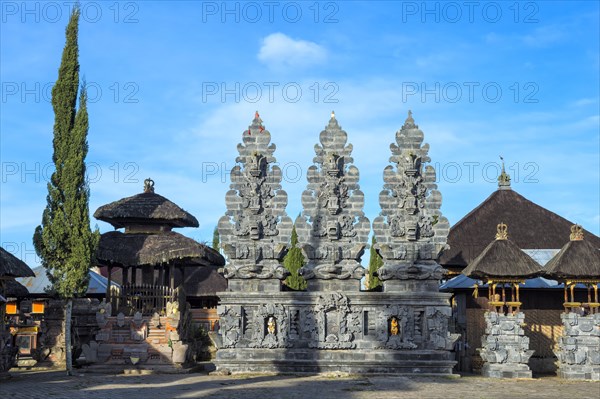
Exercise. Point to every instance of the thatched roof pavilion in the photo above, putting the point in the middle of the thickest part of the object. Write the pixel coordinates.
(577, 262)
(577, 259)
(148, 244)
(531, 227)
(502, 259)
(502, 263)
(11, 266)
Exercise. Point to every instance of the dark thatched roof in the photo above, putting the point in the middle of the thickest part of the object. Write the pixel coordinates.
(11, 266)
(577, 259)
(15, 289)
(122, 249)
(531, 227)
(145, 208)
(502, 259)
(204, 281)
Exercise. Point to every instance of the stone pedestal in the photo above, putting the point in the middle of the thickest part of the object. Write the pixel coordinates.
(505, 348)
(359, 332)
(579, 347)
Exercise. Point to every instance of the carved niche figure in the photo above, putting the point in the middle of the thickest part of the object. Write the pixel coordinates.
(271, 325)
(394, 328)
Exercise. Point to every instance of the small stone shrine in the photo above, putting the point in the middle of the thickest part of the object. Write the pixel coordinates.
(578, 262)
(332, 326)
(503, 267)
(10, 267)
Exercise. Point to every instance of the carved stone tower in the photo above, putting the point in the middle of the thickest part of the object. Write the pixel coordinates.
(255, 230)
(332, 229)
(410, 230)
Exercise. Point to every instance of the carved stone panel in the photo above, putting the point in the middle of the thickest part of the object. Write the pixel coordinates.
(395, 328)
(336, 324)
(270, 327)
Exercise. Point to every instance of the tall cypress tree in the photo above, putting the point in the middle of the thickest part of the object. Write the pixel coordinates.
(64, 240)
(375, 262)
(293, 261)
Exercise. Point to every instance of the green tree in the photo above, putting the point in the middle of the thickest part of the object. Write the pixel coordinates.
(293, 261)
(375, 262)
(64, 240)
(216, 240)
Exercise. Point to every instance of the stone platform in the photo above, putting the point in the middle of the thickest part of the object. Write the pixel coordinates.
(335, 331)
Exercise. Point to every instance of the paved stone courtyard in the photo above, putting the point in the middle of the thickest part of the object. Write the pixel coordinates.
(55, 384)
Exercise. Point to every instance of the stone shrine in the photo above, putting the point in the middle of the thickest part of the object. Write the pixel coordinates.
(504, 267)
(578, 263)
(332, 326)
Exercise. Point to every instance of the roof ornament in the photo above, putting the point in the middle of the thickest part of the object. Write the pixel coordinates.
(148, 185)
(332, 114)
(409, 122)
(504, 178)
(502, 232)
(576, 233)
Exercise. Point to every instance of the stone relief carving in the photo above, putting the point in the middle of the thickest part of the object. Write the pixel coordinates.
(332, 229)
(255, 229)
(336, 323)
(437, 326)
(410, 229)
(270, 327)
(230, 326)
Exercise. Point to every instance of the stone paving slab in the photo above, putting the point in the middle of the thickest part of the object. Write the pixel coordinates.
(55, 384)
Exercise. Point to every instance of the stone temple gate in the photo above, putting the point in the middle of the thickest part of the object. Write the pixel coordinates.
(333, 326)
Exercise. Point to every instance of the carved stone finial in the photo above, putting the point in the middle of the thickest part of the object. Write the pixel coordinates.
(255, 229)
(502, 232)
(576, 233)
(410, 230)
(332, 229)
(504, 178)
(410, 122)
(332, 114)
(148, 185)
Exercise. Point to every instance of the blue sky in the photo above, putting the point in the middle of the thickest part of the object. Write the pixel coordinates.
(173, 85)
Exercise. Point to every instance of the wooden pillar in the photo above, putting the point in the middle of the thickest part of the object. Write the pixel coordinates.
(172, 276)
(133, 275)
(161, 275)
(181, 273)
(109, 283)
(125, 275)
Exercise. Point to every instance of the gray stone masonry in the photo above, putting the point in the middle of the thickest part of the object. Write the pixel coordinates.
(505, 348)
(410, 230)
(332, 326)
(332, 229)
(255, 230)
(579, 347)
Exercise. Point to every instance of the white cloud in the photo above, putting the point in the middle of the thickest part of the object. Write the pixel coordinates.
(280, 50)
